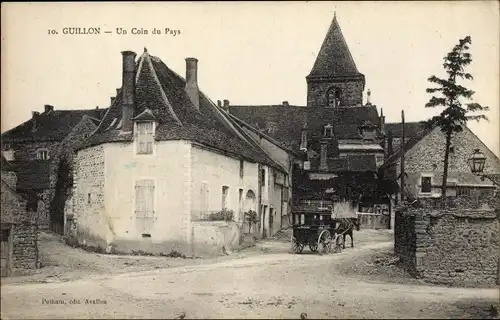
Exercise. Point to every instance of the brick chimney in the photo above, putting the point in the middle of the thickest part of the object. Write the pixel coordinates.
(192, 82)
(285, 103)
(226, 104)
(48, 108)
(34, 118)
(219, 103)
(128, 87)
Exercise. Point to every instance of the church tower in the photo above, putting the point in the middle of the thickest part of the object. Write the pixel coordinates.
(334, 80)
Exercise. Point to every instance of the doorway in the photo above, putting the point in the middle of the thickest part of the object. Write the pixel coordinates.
(5, 252)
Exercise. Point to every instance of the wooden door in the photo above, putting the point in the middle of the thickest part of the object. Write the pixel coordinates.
(5, 253)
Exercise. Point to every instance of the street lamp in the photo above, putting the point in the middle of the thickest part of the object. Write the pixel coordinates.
(476, 162)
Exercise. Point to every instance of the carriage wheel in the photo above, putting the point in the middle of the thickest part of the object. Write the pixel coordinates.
(339, 243)
(324, 242)
(297, 247)
(313, 246)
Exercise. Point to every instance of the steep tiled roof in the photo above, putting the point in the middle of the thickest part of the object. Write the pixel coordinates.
(396, 128)
(285, 123)
(410, 142)
(334, 58)
(31, 175)
(50, 126)
(162, 91)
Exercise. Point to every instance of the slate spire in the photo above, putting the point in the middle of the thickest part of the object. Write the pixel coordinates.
(334, 58)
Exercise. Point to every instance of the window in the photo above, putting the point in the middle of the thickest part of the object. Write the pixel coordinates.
(242, 165)
(42, 154)
(328, 130)
(425, 184)
(145, 137)
(263, 176)
(334, 97)
(144, 205)
(452, 149)
(225, 191)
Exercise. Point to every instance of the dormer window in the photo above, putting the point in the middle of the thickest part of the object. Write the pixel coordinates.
(42, 154)
(328, 131)
(145, 137)
(367, 131)
(334, 97)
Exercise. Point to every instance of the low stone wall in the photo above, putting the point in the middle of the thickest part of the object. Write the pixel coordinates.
(24, 247)
(210, 238)
(449, 246)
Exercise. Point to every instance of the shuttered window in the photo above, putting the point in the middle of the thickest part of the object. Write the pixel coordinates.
(145, 137)
(144, 205)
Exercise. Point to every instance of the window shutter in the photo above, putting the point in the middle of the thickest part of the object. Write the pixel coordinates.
(144, 205)
(145, 137)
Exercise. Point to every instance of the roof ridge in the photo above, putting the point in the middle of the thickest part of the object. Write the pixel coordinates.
(162, 92)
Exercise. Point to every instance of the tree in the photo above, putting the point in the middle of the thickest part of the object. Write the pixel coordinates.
(456, 114)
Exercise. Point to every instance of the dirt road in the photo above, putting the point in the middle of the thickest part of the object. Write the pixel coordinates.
(273, 285)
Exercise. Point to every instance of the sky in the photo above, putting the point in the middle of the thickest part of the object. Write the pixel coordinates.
(249, 53)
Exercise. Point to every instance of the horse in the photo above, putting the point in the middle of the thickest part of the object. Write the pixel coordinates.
(346, 227)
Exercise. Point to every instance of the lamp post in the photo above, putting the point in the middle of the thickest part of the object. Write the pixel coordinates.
(476, 162)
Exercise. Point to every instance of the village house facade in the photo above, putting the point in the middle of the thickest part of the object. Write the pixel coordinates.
(33, 149)
(423, 164)
(163, 161)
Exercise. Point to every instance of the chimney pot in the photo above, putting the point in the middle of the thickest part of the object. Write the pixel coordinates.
(226, 103)
(192, 82)
(117, 90)
(35, 113)
(219, 103)
(285, 103)
(128, 87)
(48, 108)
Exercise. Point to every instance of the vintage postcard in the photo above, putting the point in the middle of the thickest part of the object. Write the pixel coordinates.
(209, 160)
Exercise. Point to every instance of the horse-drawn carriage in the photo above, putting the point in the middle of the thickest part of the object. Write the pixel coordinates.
(320, 231)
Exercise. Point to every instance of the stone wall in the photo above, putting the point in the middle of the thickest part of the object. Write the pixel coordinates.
(23, 230)
(24, 246)
(449, 246)
(352, 93)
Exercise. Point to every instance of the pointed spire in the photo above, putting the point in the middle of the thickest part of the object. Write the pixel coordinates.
(334, 58)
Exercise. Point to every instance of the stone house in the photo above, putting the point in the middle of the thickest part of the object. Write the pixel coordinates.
(19, 229)
(424, 154)
(165, 159)
(336, 135)
(32, 149)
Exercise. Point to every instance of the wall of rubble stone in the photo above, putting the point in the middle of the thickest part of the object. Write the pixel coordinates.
(24, 250)
(450, 246)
